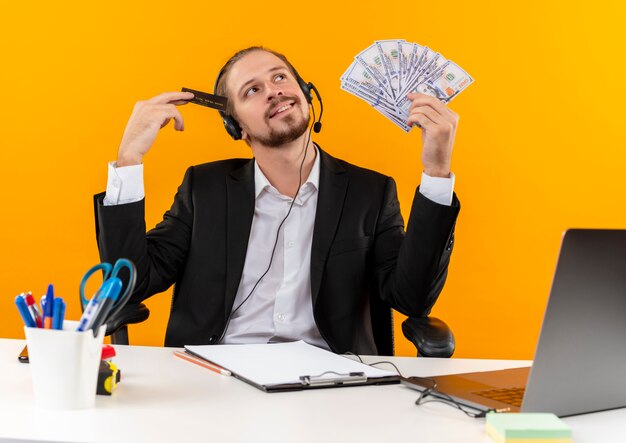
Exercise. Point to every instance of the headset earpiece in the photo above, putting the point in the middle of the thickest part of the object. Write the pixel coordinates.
(231, 125)
(305, 87)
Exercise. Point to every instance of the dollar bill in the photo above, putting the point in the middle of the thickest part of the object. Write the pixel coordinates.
(359, 77)
(372, 61)
(448, 83)
(390, 56)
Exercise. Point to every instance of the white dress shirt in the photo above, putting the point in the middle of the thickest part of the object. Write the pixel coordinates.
(280, 308)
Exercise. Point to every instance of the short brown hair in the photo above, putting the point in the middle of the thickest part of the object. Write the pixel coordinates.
(220, 83)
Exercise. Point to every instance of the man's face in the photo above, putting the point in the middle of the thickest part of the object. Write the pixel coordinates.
(268, 102)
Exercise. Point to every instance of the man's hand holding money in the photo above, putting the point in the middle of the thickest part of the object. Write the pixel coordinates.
(438, 123)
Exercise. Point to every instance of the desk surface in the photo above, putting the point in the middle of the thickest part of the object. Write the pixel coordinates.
(163, 398)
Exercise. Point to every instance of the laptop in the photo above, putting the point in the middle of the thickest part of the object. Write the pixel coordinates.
(580, 360)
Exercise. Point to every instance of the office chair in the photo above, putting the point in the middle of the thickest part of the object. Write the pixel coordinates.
(431, 336)
(130, 314)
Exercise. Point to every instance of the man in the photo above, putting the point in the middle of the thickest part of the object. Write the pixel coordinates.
(253, 264)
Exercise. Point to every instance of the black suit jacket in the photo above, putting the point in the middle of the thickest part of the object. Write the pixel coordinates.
(361, 259)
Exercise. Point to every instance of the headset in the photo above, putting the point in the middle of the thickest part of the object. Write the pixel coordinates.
(233, 128)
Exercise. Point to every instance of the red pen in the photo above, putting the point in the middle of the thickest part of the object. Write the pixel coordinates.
(34, 310)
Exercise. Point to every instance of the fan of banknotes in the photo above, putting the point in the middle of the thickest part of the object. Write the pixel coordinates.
(388, 70)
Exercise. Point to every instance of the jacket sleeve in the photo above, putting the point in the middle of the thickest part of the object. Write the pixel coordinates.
(160, 254)
(410, 268)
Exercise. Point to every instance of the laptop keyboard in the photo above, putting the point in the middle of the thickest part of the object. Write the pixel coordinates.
(510, 396)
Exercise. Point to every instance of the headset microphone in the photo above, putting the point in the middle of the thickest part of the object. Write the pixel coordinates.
(317, 127)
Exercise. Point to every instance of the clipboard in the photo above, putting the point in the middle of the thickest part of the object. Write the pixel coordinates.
(293, 366)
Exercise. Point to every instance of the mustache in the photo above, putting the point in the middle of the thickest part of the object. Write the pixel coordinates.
(283, 98)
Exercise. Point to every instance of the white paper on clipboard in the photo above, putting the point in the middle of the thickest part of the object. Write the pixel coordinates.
(269, 365)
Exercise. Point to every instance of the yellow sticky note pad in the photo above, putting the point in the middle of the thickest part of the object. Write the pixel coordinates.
(527, 428)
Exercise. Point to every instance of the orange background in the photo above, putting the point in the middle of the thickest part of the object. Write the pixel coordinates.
(540, 146)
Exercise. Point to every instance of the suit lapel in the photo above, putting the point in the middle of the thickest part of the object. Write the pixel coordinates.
(333, 185)
(240, 200)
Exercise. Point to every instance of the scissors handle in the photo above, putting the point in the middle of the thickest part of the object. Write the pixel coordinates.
(130, 287)
(105, 268)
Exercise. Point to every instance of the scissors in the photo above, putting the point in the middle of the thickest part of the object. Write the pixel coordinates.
(110, 289)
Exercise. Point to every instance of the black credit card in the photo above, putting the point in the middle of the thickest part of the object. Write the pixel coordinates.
(209, 100)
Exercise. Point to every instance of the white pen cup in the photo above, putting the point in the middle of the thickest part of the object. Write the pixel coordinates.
(64, 365)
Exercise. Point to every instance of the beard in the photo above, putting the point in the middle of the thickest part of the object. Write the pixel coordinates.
(296, 123)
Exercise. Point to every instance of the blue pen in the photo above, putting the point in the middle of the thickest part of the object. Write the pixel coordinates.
(24, 312)
(110, 292)
(49, 307)
(56, 313)
(62, 316)
(90, 312)
(110, 289)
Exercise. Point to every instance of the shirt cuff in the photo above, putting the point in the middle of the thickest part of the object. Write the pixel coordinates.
(438, 189)
(124, 185)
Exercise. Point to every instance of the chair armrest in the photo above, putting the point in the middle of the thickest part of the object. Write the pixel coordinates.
(130, 314)
(431, 336)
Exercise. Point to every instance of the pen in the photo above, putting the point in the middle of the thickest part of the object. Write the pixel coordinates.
(110, 291)
(205, 364)
(34, 310)
(89, 317)
(49, 307)
(22, 307)
(90, 312)
(57, 319)
(43, 309)
(62, 315)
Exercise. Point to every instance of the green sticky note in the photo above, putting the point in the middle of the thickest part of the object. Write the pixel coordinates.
(528, 426)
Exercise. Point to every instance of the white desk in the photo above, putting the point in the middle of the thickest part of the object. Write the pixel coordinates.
(163, 399)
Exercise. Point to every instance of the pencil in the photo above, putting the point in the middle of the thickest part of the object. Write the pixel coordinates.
(205, 364)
